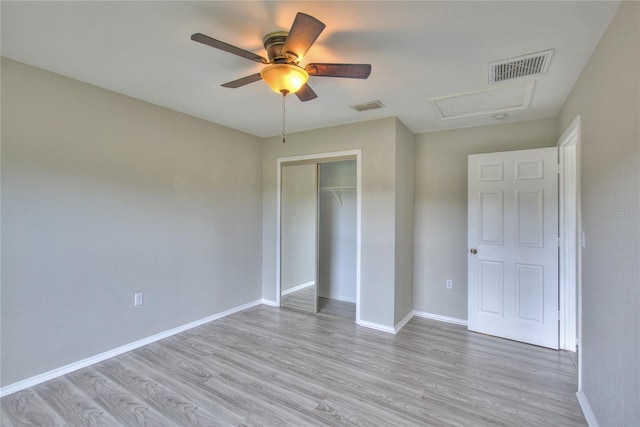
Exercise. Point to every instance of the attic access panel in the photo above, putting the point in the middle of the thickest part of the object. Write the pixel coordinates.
(487, 101)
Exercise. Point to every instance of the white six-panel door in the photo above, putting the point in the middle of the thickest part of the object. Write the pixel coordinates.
(513, 245)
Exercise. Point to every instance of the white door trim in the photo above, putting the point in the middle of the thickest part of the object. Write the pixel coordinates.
(570, 238)
(323, 157)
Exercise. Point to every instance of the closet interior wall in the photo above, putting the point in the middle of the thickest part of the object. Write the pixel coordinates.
(337, 231)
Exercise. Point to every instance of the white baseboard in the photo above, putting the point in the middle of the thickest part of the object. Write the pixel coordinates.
(408, 317)
(299, 287)
(403, 322)
(269, 303)
(376, 326)
(440, 318)
(592, 421)
(63, 370)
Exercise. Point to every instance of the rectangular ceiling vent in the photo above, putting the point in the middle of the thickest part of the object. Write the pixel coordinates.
(534, 64)
(373, 105)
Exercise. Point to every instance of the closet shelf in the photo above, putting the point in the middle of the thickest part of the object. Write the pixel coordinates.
(337, 190)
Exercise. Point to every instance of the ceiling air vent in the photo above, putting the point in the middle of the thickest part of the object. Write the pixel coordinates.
(373, 105)
(530, 65)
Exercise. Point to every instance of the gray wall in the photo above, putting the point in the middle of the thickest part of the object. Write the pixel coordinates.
(377, 141)
(405, 150)
(607, 95)
(337, 232)
(104, 196)
(299, 225)
(440, 224)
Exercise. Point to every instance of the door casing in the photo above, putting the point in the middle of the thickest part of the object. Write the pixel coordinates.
(570, 237)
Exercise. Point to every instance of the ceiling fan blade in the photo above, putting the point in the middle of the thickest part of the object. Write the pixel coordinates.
(303, 33)
(352, 71)
(305, 93)
(243, 81)
(201, 38)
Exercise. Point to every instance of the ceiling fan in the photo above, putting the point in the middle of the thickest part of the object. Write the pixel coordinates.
(284, 51)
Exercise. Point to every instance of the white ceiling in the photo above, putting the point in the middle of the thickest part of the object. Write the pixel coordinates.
(418, 50)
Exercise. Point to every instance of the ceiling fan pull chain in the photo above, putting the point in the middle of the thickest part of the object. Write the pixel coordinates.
(284, 95)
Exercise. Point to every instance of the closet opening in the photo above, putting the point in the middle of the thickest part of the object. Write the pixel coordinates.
(318, 241)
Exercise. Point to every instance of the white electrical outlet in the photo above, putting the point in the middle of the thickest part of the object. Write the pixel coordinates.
(449, 284)
(137, 299)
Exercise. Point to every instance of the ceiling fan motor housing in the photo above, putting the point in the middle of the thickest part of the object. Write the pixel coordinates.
(273, 43)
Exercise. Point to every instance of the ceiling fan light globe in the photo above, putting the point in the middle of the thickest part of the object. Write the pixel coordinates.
(283, 78)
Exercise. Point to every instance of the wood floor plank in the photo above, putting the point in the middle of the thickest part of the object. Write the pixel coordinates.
(193, 376)
(72, 405)
(301, 300)
(267, 366)
(4, 419)
(164, 395)
(127, 408)
(335, 308)
(243, 386)
(26, 408)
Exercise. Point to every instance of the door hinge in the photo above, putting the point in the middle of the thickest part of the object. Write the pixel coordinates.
(559, 169)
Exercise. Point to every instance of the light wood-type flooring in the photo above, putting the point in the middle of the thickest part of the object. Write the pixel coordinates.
(304, 300)
(274, 367)
(332, 307)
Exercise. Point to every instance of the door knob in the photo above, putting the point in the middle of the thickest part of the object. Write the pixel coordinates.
(474, 251)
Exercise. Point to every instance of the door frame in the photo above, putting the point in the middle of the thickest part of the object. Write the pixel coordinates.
(322, 158)
(570, 233)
